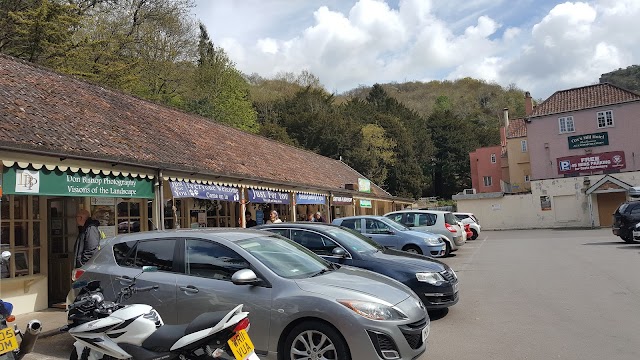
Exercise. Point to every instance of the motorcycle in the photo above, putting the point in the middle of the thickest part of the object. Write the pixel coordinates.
(9, 348)
(110, 330)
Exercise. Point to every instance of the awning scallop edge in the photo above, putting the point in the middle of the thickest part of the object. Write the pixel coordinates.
(81, 169)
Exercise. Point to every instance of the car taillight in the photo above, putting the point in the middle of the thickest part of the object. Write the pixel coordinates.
(466, 227)
(450, 228)
(242, 325)
(76, 274)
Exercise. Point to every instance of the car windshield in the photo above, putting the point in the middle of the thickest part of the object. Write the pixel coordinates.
(353, 240)
(285, 257)
(394, 225)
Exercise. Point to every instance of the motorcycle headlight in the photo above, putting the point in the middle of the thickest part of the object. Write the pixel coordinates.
(373, 310)
(433, 241)
(432, 278)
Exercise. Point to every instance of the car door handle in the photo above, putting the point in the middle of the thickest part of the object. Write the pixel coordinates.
(189, 289)
(125, 280)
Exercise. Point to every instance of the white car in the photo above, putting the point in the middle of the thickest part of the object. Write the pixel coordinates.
(474, 225)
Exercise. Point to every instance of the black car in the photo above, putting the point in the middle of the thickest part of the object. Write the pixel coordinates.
(433, 281)
(625, 219)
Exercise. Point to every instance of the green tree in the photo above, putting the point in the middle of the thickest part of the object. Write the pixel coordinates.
(374, 154)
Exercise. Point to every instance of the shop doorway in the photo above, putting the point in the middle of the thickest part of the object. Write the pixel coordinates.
(607, 205)
(62, 231)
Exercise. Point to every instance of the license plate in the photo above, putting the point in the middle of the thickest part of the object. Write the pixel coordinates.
(241, 345)
(8, 341)
(425, 333)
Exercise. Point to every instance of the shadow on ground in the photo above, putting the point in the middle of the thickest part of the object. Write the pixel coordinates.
(438, 314)
(607, 243)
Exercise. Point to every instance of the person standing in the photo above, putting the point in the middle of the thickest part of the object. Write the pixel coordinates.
(88, 237)
(310, 217)
(273, 218)
(319, 218)
(250, 221)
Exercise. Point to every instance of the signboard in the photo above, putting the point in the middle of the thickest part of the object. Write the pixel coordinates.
(545, 203)
(365, 203)
(342, 200)
(268, 197)
(592, 162)
(364, 185)
(182, 189)
(588, 140)
(57, 183)
(309, 199)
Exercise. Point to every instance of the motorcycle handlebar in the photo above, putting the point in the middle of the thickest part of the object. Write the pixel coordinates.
(80, 303)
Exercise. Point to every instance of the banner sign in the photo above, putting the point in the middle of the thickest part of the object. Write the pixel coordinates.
(182, 189)
(364, 185)
(342, 200)
(57, 183)
(593, 162)
(365, 203)
(588, 140)
(268, 197)
(309, 199)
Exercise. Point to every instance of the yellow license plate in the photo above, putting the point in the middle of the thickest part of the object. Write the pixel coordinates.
(8, 341)
(241, 345)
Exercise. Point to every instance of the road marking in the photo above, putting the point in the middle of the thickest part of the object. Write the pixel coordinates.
(475, 251)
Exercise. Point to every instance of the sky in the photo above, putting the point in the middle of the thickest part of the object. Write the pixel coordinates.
(541, 46)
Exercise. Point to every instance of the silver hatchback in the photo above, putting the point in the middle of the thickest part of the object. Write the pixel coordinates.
(300, 305)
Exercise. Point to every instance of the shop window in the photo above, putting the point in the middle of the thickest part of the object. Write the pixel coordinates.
(173, 219)
(219, 213)
(128, 213)
(20, 234)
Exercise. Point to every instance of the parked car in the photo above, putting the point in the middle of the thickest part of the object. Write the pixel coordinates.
(472, 220)
(393, 235)
(435, 221)
(625, 219)
(435, 282)
(297, 301)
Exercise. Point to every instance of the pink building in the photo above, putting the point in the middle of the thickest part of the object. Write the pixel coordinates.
(585, 131)
(486, 168)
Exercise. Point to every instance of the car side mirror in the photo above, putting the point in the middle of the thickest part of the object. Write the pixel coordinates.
(6, 255)
(339, 252)
(389, 232)
(245, 277)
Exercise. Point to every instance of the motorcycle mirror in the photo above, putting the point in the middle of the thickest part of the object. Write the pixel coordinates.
(149, 268)
(6, 255)
(93, 285)
(244, 277)
(78, 284)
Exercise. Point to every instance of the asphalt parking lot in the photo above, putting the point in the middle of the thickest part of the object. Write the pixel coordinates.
(532, 294)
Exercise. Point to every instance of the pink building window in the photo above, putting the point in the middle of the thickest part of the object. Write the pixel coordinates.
(487, 180)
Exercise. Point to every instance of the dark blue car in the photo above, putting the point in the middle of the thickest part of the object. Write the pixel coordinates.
(433, 281)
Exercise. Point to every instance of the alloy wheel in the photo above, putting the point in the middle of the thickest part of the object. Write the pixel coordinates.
(312, 345)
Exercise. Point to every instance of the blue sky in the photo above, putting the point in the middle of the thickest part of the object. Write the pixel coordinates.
(540, 45)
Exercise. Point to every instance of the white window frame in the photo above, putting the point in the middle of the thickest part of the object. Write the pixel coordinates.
(527, 178)
(485, 182)
(494, 158)
(523, 146)
(563, 125)
(602, 115)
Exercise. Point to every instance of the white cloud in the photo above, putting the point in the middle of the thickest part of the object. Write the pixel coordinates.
(347, 43)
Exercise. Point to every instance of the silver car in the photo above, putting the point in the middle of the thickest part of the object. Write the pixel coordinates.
(300, 305)
(434, 221)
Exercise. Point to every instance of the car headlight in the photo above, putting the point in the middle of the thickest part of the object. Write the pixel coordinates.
(373, 310)
(432, 278)
(433, 241)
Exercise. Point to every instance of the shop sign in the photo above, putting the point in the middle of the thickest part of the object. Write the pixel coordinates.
(182, 189)
(365, 203)
(268, 197)
(593, 162)
(588, 140)
(342, 200)
(309, 199)
(364, 185)
(56, 183)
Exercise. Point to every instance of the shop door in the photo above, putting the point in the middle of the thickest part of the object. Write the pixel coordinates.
(62, 233)
(607, 205)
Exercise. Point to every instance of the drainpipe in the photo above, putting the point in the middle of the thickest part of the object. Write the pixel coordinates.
(243, 209)
(160, 182)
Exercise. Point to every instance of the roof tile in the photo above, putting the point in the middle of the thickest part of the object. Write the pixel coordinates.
(517, 128)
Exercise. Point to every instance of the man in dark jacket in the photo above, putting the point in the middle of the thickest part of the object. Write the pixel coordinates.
(88, 238)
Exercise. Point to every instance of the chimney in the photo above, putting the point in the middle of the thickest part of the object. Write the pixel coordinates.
(505, 112)
(528, 104)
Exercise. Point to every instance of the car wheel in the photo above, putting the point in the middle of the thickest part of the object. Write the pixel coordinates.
(447, 252)
(628, 238)
(412, 249)
(475, 234)
(315, 340)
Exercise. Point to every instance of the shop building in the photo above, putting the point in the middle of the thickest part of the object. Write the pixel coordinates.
(67, 144)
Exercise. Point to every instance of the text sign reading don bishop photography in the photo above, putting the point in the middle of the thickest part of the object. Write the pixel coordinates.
(181, 189)
(588, 140)
(56, 183)
(590, 163)
(268, 197)
(309, 199)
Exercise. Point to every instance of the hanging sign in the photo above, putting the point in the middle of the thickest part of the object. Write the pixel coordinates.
(57, 183)
(365, 203)
(309, 199)
(593, 162)
(182, 189)
(342, 200)
(588, 140)
(364, 185)
(268, 197)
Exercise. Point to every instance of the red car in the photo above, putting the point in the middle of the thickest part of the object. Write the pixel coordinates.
(468, 231)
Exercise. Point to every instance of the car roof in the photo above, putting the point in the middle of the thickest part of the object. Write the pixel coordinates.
(422, 211)
(230, 234)
(300, 225)
(362, 217)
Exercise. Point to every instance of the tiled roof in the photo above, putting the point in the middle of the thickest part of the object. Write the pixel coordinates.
(41, 110)
(517, 128)
(585, 97)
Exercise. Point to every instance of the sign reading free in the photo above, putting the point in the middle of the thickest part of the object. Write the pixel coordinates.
(589, 163)
(56, 183)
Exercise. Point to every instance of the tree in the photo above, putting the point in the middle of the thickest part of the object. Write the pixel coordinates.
(374, 153)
